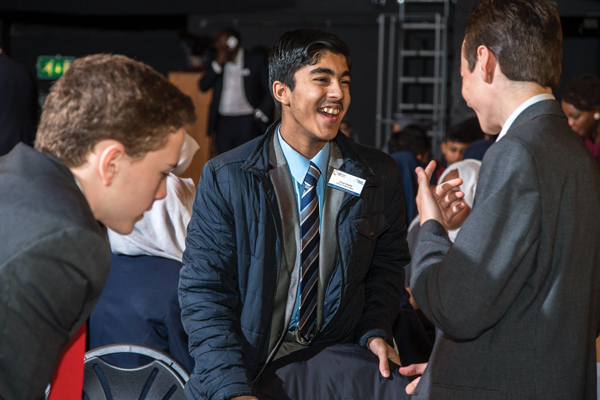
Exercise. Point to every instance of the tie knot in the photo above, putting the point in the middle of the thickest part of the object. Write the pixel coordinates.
(313, 174)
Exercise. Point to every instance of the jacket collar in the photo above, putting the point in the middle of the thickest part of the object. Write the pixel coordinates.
(544, 107)
(261, 160)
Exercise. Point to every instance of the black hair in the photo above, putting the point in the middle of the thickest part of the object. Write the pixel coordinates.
(583, 92)
(231, 32)
(466, 131)
(301, 47)
(412, 138)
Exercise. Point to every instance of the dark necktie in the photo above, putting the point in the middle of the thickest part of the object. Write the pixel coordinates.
(309, 224)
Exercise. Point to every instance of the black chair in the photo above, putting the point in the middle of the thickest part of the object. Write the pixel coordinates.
(162, 379)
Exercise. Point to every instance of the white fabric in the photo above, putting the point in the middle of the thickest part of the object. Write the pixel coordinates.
(188, 149)
(162, 231)
(468, 171)
(233, 97)
(518, 111)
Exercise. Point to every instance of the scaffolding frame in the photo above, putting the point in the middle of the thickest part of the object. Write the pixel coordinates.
(391, 79)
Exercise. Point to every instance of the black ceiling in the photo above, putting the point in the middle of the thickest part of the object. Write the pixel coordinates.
(139, 7)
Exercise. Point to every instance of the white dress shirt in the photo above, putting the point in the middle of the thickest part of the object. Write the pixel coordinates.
(518, 111)
(233, 97)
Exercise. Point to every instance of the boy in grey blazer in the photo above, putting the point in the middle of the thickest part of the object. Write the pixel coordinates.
(110, 133)
(517, 296)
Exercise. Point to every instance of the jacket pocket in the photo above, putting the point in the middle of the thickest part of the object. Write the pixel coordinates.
(442, 392)
(371, 226)
(367, 229)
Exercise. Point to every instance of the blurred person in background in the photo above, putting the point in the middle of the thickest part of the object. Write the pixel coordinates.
(581, 104)
(410, 148)
(456, 141)
(19, 108)
(242, 106)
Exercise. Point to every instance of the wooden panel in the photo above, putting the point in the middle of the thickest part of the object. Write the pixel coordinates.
(598, 350)
(187, 82)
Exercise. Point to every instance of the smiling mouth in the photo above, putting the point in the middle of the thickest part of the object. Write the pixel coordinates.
(330, 111)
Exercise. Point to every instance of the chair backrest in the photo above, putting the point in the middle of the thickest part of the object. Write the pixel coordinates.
(162, 379)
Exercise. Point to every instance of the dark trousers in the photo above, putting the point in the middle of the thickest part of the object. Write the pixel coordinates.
(235, 131)
(341, 371)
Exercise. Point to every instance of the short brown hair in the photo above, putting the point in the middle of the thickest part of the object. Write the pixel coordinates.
(107, 96)
(524, 35)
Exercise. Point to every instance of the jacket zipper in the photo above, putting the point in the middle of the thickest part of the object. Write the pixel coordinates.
(335, 317)
(276, 280)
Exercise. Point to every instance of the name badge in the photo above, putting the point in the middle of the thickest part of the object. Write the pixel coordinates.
(346, 182)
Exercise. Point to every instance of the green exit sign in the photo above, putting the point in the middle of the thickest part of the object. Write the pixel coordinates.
(49, 67)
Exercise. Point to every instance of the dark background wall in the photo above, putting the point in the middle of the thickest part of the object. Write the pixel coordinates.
(149, 31)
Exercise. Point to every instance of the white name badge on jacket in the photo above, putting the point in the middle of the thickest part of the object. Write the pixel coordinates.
(346, 182)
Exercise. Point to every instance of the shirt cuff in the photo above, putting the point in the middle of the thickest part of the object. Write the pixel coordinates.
(372, 333)
(215, 65)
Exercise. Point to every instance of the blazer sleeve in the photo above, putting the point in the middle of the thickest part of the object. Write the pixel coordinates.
(209, 296)
(465, 288)
(47, 291)
(385, 280)
(208, 79)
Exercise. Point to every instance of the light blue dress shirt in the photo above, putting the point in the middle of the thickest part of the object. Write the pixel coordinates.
(299, 165)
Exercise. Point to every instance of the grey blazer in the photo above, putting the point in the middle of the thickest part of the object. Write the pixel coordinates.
(518, 293)
(54, 262)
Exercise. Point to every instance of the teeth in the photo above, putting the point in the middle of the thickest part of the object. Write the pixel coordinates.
(332, 111)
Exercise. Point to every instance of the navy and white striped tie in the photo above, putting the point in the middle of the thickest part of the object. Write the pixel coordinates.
(309, 224)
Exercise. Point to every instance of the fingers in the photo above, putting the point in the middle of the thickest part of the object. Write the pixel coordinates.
(413, 369)
(443, 189)
(392, 355)
(430, 168)
(424, 175)
(384, 367)
(410, 388)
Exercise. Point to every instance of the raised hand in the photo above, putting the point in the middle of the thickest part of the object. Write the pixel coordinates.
(443, 203)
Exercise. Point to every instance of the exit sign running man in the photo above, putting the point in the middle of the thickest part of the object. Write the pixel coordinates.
(49, 67)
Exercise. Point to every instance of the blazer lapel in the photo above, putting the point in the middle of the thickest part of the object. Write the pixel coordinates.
(287, 285)
(328, 245)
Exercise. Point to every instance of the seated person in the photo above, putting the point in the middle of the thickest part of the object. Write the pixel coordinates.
(410, 148)
(99, 161)
(581, 104)
(139, 302)
(279, 266)
(458, 138)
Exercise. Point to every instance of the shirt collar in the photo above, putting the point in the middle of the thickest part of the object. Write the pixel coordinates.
(298, 164)
(518, 111)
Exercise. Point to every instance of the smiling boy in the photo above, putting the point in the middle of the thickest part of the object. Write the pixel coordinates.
(278, 263)
(110, 133)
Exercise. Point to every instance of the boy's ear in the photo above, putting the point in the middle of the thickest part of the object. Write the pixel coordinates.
(444, 146)
(487, 64)
(281, 93)
(110, 160)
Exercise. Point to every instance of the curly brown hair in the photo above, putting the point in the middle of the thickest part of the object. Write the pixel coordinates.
(524, 35)
(583, 92)
(106, 96)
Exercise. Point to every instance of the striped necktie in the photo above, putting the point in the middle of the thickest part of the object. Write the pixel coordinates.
(309, 224)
